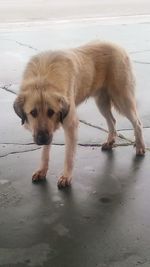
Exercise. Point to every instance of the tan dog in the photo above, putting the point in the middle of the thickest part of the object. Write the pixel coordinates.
(54, 83)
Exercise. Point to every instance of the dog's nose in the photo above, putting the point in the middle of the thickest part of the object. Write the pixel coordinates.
(43, 138)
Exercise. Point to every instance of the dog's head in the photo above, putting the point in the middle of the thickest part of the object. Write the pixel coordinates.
(41, 108)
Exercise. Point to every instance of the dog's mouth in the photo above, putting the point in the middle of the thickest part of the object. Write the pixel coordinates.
(43, 138)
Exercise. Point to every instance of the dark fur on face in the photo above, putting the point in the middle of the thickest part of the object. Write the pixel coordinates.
(18, 107)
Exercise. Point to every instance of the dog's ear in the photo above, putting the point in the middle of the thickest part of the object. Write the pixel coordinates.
(18, 107)
(64, 109)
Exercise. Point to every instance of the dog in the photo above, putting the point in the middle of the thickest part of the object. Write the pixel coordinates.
(54, 83)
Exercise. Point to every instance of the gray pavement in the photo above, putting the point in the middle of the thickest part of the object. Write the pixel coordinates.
(16, 10)
(103, 220)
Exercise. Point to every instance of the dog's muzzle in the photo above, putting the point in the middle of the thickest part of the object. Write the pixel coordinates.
(43, 138)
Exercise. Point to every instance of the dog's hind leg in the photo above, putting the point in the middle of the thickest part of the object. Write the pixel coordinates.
(104, 105)
(40, 174)
(127, 106)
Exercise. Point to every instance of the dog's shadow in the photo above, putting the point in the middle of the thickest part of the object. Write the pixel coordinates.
(111, 185)
(87, 221)
(111, 188)
(117, 177)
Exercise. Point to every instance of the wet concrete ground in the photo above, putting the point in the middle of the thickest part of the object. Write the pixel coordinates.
(103, 220)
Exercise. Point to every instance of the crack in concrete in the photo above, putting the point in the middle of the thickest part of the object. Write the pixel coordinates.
(125, 138)
(129, 129)
(21, 144)
(104, 130)
(141, 62)
(19, 152)
(63, 144)
(26, 45)
(21, 44)
(6, 88)
(139, 51)
(60, 144)
(93, 126)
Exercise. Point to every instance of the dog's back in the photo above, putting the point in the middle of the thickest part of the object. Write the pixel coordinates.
(87, 69)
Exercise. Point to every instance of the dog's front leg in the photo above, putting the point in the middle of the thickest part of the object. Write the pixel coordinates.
(70, 129)
(40, 174)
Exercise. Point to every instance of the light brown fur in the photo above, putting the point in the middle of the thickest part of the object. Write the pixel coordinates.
(61, 80)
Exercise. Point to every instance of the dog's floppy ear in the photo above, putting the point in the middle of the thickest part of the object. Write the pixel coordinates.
(64, 109)
(18, 107)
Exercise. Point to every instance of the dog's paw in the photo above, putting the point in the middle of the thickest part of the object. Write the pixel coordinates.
(39, 176)
(108, 145)
(140, 151)
(63, 182)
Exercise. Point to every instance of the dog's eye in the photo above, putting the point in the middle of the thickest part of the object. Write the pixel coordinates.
(34, 113)
(50, 112)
